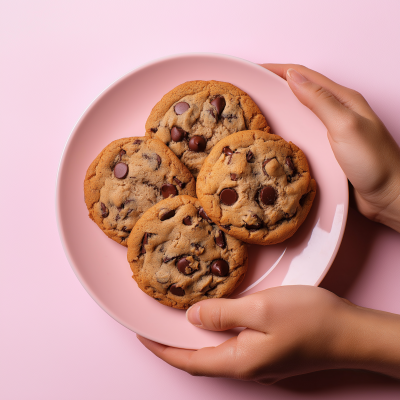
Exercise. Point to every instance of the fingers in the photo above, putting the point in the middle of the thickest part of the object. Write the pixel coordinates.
(230, 359)
(223, 314)
(347, 97)
(178, 358)
(280, 69)
(208, 361)
(319, 100)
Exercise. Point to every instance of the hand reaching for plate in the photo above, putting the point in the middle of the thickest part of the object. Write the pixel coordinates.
(292, 330)
(364, 148)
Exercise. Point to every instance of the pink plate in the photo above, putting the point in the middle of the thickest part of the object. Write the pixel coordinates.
(121, 111)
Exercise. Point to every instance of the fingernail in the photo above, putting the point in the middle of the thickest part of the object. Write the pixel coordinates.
(295, 76)
(193, 315)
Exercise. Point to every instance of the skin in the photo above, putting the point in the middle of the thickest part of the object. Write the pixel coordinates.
(293, 330)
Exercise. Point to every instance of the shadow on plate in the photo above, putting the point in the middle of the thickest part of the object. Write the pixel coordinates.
(356, 245)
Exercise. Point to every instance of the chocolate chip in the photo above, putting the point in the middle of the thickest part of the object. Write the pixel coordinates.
(197, 143)
(234, 177)
(182, 264)
(228, 197)
(137, 141)
(124, 229)
(268, 195)
(227, 227)
(219, 103)
(250, 157)
(158, 161)
(181, 107)
(176, 290)
(264, 164)
(168, 190)
(220, 240)
(120, 207)
(154, 130)
(289, 163)
(121, 153)
(227, 151)
(104, 210)
(167, 215)
(177, 134)
(256, 226)
(203, 214)
(187, 221)
(145, 240)
(220, 268)
(212, 113)
(179, 183)
(117, 217)
(120, 170)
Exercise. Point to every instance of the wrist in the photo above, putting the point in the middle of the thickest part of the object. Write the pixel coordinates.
(368, 339)
(390, 213)
(384, 206)
(390, 216)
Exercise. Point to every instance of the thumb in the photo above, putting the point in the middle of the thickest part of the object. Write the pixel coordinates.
(319, 100)
(223, 314)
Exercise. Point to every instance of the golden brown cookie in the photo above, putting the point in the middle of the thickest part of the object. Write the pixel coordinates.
(127, 178)
(179, 257)
(256, 186)
(196, 115)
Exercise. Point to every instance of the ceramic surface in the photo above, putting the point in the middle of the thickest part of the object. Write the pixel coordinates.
(121, 111)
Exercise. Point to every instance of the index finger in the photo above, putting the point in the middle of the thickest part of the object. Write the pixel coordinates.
(348, 97)
(236, 358)
(208, 361)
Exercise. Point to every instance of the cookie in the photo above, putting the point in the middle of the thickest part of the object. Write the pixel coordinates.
(196, 115)
(179, 257)
(256, 186)
(127, 178)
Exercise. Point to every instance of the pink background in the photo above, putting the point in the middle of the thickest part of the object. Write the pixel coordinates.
(56, 57)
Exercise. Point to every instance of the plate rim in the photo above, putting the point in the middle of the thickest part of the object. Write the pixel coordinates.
(76, 127)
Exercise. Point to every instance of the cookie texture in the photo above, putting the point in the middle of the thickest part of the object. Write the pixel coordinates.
(256, 186)
(127, 178)
(179, 257)
(196, 115)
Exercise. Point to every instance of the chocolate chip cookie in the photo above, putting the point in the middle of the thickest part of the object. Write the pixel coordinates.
(179, 257)
(196, 115)
(128, 177)
(256, 186)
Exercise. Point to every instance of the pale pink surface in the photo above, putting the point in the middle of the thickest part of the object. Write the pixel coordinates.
(56, 342)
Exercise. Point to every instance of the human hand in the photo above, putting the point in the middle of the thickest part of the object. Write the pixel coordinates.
(291, 330)
(364, 148)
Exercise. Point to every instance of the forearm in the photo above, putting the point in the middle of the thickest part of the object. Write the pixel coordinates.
(370, 340)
